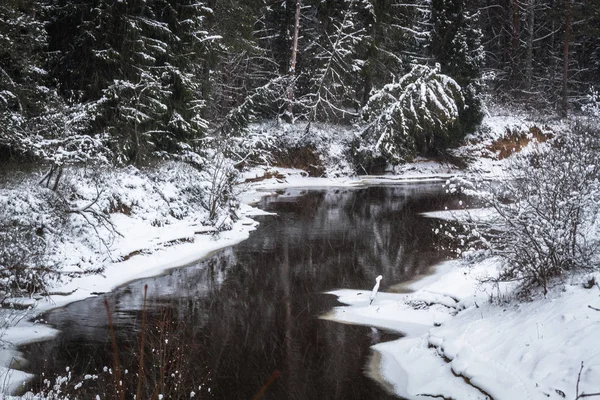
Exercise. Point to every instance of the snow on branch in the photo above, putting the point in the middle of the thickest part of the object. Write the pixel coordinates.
(330, 82)
(409, 116)
(262, 97)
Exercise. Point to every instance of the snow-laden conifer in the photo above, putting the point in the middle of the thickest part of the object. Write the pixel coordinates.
(412, 115)
(336, 61)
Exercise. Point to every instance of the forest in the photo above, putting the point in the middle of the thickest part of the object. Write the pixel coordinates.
(125, 82)
(447, 147)
(101, 100)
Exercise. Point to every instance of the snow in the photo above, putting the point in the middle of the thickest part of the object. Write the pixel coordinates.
(462, 339)
(455, 327)
(331, 142)
(465, 339)
(158, 260)
(373, 295)
(475, 214)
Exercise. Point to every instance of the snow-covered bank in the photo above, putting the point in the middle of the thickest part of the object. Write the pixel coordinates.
(460, 330)
(143, 248)
(100, 230)
(191, 246)
(159, 232)
(275, 178)
(469, 338)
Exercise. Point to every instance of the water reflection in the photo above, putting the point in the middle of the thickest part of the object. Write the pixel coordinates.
(252, 309)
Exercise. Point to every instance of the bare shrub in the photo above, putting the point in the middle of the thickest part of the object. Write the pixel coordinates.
(544, 224)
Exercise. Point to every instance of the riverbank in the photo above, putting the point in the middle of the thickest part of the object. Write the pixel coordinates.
(148, 248)
(142, 248)
(470, 340)
(159, 251)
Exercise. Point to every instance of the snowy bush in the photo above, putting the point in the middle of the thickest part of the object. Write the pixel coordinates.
(545, 223)
(49, 235)
(217, 190)
(416, 115)
(30, 220)
(592, 106)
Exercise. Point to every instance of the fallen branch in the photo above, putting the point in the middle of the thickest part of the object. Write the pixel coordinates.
(435, 396)
(85, 208)
(583, 395)
(100, 219)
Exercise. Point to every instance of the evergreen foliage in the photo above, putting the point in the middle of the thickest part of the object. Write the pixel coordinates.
(415, 115)
(125, 81)
(22, 90)
(330, 92)
(456, 44)
(141, 61)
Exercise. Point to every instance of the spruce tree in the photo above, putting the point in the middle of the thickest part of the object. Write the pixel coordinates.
(456, 45)
(24, 94)
(138, 62)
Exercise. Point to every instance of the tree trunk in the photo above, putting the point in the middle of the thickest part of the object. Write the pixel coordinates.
(48, 176)
(295, 40)
(292, 70)
(530, 35)
(57, 179)
(515, 38)
(565, 79)
(207, 65)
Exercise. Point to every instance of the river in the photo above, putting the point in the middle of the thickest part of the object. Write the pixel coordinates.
(245, 320)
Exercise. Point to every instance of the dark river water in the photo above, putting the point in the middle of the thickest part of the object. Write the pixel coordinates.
(244, 322)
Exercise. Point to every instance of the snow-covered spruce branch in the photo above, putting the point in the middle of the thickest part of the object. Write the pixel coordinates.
(409, 116)
(330, 87)
(267, 96)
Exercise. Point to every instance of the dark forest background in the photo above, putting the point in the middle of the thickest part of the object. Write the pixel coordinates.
(124, 81)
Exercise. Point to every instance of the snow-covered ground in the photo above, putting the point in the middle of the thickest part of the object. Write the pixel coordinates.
(507, 350)
(468, 340)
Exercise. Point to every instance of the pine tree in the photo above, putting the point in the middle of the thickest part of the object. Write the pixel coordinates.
(139, 62)
(456, 45)
(333, 52)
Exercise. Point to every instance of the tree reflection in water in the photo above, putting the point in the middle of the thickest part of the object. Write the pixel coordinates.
(252, 309)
